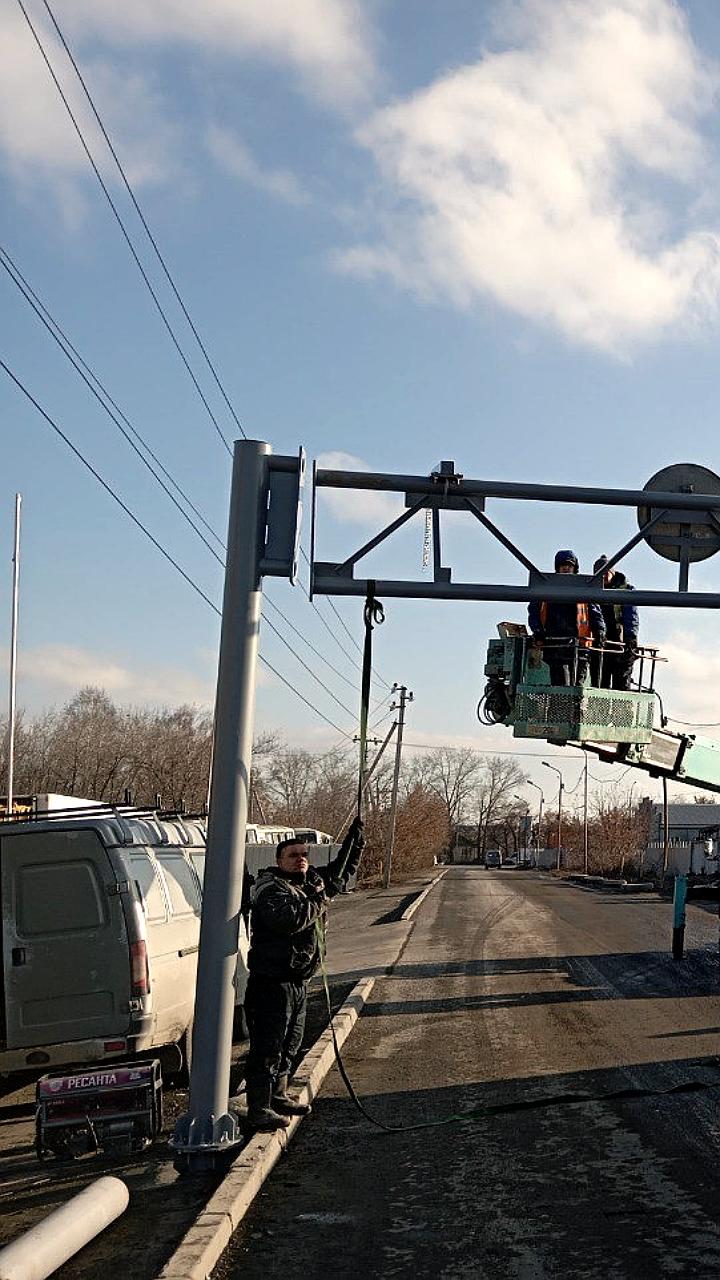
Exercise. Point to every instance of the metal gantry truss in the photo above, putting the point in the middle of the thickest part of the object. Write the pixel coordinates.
(679, 524)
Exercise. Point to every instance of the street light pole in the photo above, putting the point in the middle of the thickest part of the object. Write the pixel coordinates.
(526, 825)
(13, 660)
(560, 796)
(538, 843)
(585, 819)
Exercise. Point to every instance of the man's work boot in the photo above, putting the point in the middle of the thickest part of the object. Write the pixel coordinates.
(261, 1115)
(282, 1102)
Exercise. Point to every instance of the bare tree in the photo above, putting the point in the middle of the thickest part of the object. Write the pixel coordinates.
(496, 784)
(450, 773)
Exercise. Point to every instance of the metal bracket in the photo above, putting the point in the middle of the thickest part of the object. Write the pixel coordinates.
(286, 479)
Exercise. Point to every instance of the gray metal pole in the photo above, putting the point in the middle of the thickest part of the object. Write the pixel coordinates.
(559, 852)
(585, 820)
(13, 659)
(209, 1130)
(666, 840)
(404, 697)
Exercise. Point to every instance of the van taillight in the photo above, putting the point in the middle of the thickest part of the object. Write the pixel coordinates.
(139, 972)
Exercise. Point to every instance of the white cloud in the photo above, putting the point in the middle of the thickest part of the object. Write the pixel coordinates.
(52, 673)
(356, 506)
(235, 158)
(327, 41)
(36, 134)
(551, 177)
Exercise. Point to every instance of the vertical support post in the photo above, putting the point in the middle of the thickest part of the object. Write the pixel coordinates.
(404, 697)
(559, 836)
(585, 818)
(209, 1132)
(13, 659)
(666, 840)
(679, 900)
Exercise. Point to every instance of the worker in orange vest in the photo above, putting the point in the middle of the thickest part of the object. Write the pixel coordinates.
(566, 629)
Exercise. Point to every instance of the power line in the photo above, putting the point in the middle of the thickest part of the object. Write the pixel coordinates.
(309, 644)
(113, 412)
(691, 724)
(304, 664)
(140, 267)
(107, 487)
(343, 624)
(144, 222)
(303, 698)
(125, 233)
(322, 617)
(51, 326)
(166, 554)
(539, 755)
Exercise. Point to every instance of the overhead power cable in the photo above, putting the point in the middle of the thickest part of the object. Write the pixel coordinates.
(163, 551)
(114, 413)
(125, 234)
(692, 724)
(153, 242)
(300, 636)
(143, 220)
(343, 623)
(51, 422)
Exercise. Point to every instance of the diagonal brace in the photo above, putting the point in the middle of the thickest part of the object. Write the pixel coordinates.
(497, 533)
(380, 537)
(638, 537)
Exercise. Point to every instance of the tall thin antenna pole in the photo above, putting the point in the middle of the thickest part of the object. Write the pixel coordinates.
(13, 658)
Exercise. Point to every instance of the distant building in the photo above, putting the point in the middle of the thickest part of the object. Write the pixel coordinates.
(687, 823)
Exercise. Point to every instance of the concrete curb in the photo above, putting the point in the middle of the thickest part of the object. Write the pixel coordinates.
(409, 912)
(203, 1245)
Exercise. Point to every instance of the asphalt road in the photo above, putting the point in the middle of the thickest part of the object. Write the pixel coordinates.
(590, 1058)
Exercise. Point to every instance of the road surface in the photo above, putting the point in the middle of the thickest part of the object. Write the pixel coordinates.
(556, 1014)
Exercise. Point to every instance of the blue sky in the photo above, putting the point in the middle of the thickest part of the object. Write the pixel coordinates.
(406, 232)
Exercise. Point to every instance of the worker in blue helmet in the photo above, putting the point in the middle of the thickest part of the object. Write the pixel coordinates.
(566, 630)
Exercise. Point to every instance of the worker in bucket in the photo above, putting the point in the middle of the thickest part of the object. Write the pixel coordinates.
(287, 918)
(622, 625)
(566, 630)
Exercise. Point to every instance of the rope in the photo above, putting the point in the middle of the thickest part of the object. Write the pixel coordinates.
(373, 615)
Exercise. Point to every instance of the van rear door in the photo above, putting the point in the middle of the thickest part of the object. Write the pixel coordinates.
(66, 960)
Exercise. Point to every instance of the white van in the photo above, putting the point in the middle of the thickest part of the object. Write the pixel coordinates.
(100, 935)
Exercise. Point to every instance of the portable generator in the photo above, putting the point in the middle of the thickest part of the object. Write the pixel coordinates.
(105, 1109)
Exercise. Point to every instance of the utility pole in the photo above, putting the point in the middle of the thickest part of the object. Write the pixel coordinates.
(539, 837)
(262, 539)
(403, 698)
(559, 826)
(13, 659)
(585, 818)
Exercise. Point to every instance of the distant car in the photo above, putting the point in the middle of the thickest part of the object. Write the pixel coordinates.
(493, 858)
(509, 862)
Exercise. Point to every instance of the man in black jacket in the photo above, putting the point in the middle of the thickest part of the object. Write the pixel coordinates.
(287, 921)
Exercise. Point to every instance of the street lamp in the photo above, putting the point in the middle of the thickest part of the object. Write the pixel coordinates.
(560, 794)
(523, 859)
(540, 814)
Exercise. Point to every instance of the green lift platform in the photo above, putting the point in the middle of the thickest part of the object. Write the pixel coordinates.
(627, 728)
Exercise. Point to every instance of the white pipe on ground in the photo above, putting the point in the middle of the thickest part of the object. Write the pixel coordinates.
(47, 1246)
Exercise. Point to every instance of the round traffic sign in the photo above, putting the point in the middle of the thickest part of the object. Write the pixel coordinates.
(693, 538)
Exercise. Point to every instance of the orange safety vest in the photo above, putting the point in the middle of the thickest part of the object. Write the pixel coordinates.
(583, 622)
